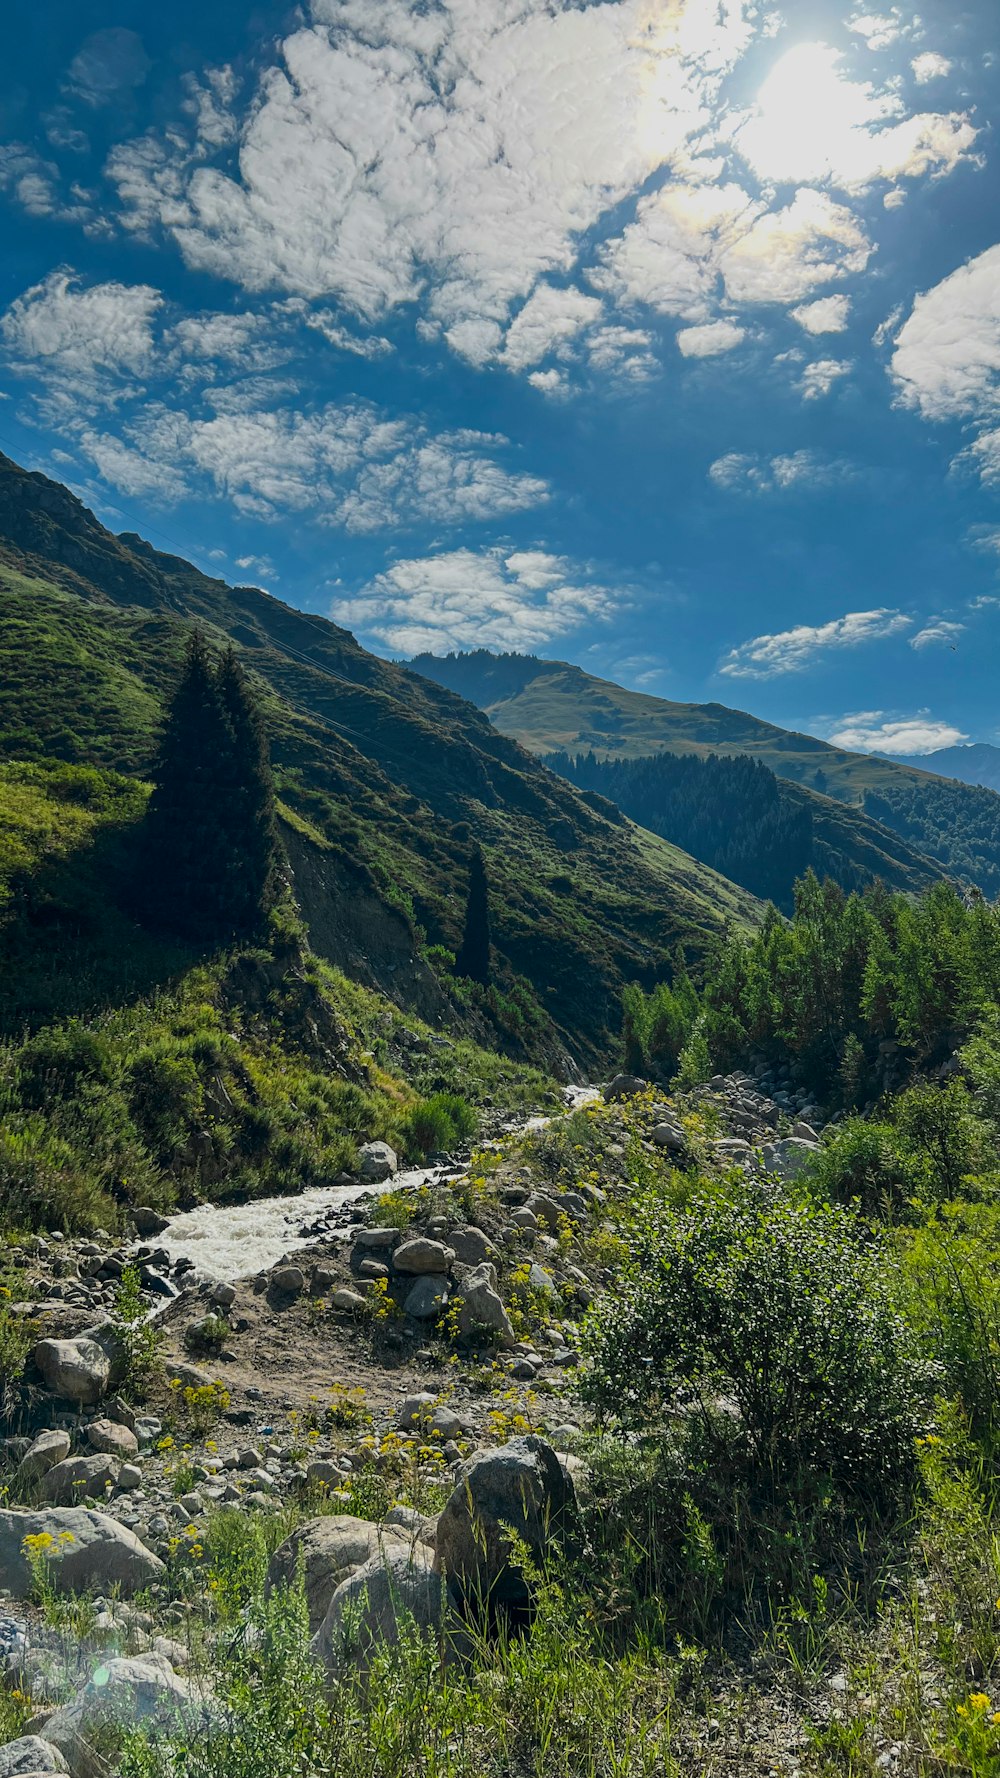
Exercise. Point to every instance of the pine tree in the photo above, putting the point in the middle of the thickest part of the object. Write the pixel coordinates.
(473, 959)
(247, 810)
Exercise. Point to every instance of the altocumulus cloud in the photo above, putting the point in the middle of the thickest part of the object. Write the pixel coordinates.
(492, 598)
(789, 651)
(946, 362)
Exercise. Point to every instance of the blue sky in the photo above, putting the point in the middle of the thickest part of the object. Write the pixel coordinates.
(658, 335)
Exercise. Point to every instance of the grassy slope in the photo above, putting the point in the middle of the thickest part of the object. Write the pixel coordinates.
(376, 767)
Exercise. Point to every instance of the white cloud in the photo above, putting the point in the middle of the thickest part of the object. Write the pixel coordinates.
(624, 351)
(947, 357)
(493, 599)
(871, 732)
(820, 377)
(711, 338)
(790, 651)
(879, 29)
(86, 337)
(828, 314)
(110, 63)
(939, 634)
(548, 322)
(738, 472)
(788, 253)
(930, 66)
(810, 123)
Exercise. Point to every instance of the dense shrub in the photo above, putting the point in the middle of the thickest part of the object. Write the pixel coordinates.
(867, 1163)
(439, 1123)
(781, 1308)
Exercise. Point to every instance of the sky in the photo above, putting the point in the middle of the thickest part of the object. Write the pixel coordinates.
(662, 336)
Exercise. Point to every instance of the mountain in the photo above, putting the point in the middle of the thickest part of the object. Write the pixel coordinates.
(975, 763)
(555, 707)
(385, 782)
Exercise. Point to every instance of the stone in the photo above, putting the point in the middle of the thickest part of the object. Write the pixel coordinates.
(732, 1148)
(28, 1756)
(421, 1256)
(78, 1478)
(76, 1370)
(129, 1477)
(524, 1218)
(471, 1247)
(520, 1485)
(397, 1589)
(224, 1296)
(378, 1162)
(124, 1693)
(373, 1268)
(100, 1554)
(323, 1473)
(288, 1280)
(148, 1222)
(414, 1524)
(424, 1413)
(44, 1452)
(427, 1299)
(669, 1137)
(481, 1307)
(369, 1241)
(545, 1210)
(330, 1551)
(541, 1282)
(804, 1131)
(349, 1300)
(624, 1086)
(791, 1157)
(115, 1440)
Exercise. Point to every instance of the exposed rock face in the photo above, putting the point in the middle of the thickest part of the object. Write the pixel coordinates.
(482, 1306)
(330, 1550)
(125, 1693)
(520, 1486)
(377, 1602)
(378, 1162)
(77, 1370)
(101, 1554)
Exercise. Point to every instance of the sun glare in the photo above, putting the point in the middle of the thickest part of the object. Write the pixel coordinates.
(810, 123)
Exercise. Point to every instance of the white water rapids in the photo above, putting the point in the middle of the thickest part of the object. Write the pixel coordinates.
(232, 1241)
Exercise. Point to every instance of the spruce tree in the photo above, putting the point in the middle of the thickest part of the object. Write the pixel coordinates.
(473, 959)
(247, 811)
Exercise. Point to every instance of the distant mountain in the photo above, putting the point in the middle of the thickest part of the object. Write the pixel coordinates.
(555, 707)
(976, 763)
(385, 779)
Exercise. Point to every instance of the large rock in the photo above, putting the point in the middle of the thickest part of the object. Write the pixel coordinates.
(330, 1550)
(78, 1478)
(89, 1552)
(427, 1298)
(471, 1246)
(148, 1222)
(624, 1086)
(123, 1694)
(77, 1370)
(378, 1162)
(668, 1136)
(28, 1756)
(518, 1487)
(481, 1308)
(790, 1158)
(377, 1604)
(48, 1449)
(422, 1256)
(425, 1414)
(112, 1438)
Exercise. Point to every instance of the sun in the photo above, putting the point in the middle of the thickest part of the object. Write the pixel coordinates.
(810, 123)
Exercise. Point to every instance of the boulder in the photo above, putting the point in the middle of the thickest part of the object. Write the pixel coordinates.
(76, 1370)
(368, 1242)
(78, 1478)
(482, 1307)
(48, 1449)
(421, 1257)
(288, 1280)
(424, 1413)
(545, 1210)
(790, 1158)
(148, 1223)
(89, 1552)
(471, 1246)
(330, 1550)
(668, 1136)
(395, 1590)
(378, 1162)
(28, 1756)
(520, 1486)
(624, 1086)
(732, 1149)
(348, 1300)
(124, 1693)
(427, 1299)
(111, 1437)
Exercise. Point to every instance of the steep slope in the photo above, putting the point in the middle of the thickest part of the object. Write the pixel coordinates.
(553, 706)
(384, 777)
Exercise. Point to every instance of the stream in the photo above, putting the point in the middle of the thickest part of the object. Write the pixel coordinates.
(232, 1241)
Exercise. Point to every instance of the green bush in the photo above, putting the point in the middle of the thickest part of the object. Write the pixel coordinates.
(780, 1308)
(950, 1282)
(439, 1123)
(867, 1164)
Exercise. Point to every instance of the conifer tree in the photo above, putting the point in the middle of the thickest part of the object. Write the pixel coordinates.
(473, 959)
(247, 810)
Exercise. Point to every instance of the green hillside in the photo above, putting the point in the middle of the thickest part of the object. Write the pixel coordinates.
(554, 707)
(385, 780)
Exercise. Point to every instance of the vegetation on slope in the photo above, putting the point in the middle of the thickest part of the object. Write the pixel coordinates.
(733, 814)
(553, 707)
